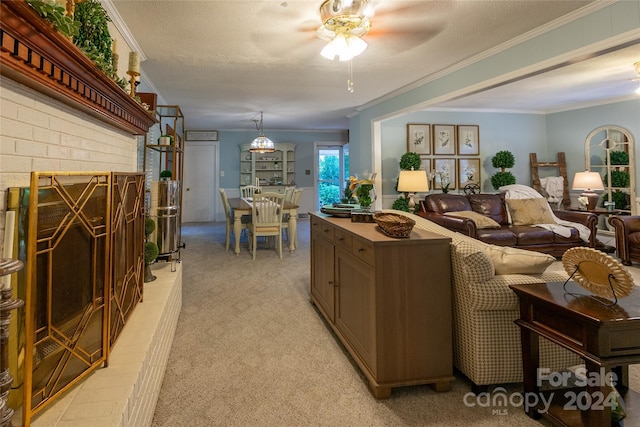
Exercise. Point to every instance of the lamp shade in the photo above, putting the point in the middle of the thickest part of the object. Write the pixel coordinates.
(587, 181)
(413, 181)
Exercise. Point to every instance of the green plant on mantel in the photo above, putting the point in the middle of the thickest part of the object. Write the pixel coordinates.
(93, 37)
(88, 28)
(55, 14)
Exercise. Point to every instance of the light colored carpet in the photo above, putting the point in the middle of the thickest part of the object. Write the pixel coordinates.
(250, 349)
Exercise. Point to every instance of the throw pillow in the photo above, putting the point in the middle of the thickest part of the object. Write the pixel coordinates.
(508, 260)
(476, 264)
(529, 211)
(480, 220)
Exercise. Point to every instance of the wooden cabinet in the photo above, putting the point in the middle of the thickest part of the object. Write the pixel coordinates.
(274, 170)
(387, 300)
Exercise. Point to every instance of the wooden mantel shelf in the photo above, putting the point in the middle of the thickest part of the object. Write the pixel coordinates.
(33, 53)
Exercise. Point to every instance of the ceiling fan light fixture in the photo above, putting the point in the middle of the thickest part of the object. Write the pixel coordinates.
(261, 144)
(344, 47)
(349, 15)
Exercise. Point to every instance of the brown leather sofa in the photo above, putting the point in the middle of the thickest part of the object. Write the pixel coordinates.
(434, 207)
(627, 237)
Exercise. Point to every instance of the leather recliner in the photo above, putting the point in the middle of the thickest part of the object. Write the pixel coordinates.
(627, 237)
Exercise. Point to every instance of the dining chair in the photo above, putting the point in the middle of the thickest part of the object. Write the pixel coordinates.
(296, 195)
(266, 219)
(247, 191)
(227, 213)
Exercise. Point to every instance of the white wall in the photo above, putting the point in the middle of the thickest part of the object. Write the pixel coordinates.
(38, 133)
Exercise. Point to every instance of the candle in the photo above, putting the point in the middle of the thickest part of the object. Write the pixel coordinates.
(134, 62)
(114, 46)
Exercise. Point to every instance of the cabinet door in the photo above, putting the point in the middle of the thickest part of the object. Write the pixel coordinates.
(322, 276)
(355, 305)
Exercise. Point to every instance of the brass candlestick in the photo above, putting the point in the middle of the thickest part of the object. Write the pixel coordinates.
(132, 82)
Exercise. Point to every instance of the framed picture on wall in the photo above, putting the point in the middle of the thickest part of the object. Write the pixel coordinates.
(425, 165)
(445, 173)
(444, 140)
(419, 138)
(468, 172)
(468, 140)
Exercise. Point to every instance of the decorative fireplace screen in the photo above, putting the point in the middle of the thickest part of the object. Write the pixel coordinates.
(81, 236)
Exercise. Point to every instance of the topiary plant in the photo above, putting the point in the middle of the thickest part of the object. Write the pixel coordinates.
(150, 252)
(500, 179)
(410, 160)
(618, 197)
(166, 174)
(619, 157)
(401, 204)
(149, 226)
(619, 179)
(503, 159)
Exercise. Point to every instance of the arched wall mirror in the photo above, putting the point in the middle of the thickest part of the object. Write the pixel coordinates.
(609, 150)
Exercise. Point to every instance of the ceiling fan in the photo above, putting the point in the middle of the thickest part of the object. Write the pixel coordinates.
(344, 22)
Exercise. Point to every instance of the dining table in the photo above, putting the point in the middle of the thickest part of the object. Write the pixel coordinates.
(241, 207)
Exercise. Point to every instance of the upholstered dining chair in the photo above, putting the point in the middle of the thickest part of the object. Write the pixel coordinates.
(227, 213)
(247, 191)
(627, 237)
(266, 219)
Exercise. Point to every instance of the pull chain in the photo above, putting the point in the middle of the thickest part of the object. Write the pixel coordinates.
(350, 78)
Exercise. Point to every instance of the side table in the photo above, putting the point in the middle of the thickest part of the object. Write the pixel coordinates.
(607, 338)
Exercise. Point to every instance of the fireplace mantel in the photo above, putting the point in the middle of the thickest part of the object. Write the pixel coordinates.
(33, 53)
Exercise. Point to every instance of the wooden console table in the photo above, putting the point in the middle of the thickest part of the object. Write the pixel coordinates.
(605, 337)
(387, 300)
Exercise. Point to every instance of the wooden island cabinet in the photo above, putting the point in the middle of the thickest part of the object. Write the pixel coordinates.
(388, 300)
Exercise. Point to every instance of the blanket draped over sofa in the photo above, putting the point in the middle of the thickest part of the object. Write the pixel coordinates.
(486, 340)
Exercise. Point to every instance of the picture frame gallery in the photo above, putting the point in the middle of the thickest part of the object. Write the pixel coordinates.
(458, 143)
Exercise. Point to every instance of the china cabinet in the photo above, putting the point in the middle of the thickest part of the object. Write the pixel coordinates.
(609, 151)
(391, 312)
(275, 171)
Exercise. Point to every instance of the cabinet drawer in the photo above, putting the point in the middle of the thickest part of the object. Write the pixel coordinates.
(323, 229)
(363, 250)
(342, 239)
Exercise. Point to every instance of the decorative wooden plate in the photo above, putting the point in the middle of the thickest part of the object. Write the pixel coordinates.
(598, 272)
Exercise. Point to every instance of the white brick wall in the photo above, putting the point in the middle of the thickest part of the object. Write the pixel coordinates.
(38, 133)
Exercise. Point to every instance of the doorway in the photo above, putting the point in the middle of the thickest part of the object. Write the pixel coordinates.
(332, 169)
(200, 181)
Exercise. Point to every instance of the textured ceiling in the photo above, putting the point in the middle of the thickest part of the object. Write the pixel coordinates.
(225, 61)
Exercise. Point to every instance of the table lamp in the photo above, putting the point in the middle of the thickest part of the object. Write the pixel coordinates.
(412, 182)
(588, 181)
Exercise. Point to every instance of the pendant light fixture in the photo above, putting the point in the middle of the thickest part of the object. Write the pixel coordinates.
(261, 144)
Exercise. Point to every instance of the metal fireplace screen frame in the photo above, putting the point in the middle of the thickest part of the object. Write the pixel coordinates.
(84, 276)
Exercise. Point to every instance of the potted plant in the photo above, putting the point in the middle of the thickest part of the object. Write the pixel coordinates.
(408, 161)
(166, 175)
(150, 250)
(503, 160)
